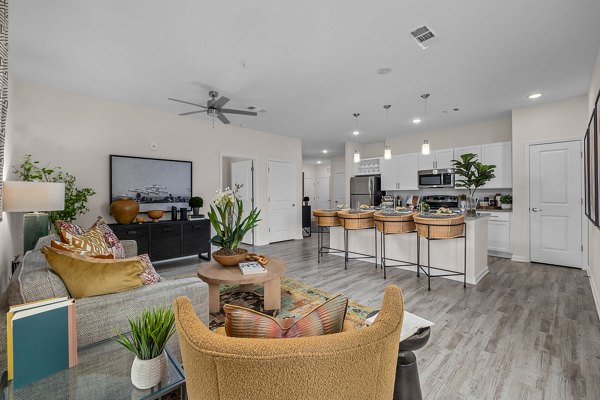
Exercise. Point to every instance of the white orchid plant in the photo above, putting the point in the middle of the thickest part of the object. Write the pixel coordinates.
(226, 219)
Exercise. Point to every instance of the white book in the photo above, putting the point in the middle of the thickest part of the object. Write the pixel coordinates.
(252, 268)
(411, 325)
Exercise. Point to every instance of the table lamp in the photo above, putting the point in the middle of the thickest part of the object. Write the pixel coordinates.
(33, 196)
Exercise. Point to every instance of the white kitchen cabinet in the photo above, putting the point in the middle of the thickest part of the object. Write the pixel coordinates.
(459, 151)
(390, 174)
(409, 167)
(400, 173)
(500, 155)
(499, 234)
(436, 159)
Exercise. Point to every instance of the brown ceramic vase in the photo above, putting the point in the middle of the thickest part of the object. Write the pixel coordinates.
(124, 211)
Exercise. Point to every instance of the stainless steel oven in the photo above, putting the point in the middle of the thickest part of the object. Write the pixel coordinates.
(436, 178)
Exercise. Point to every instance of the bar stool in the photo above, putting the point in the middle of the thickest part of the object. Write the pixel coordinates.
(354, 220)
(444, 227)
(393, 223)
(325, 220)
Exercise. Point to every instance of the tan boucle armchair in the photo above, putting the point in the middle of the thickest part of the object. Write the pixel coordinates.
(357, 365)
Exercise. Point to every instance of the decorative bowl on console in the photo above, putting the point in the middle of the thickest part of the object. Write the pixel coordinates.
(155, 215)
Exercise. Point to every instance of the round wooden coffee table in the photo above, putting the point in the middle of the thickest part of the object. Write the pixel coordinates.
(215, 275)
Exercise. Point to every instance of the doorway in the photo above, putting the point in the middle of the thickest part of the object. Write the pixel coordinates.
(240, 171)
(555, 203)
(339, 188)
(281, 183)
(323, 193)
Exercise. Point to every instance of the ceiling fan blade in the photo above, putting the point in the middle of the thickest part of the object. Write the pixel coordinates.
(240, 112)
(223, 119)
(187, 102)
(193, 112)
(220, 103)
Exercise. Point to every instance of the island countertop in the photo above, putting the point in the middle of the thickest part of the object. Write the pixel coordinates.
(448, 253)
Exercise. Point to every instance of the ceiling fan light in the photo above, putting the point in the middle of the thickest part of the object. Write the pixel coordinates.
(356, 156)
(387, 153)
(425, 150)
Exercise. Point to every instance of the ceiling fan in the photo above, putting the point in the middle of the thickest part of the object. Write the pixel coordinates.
(214, 107)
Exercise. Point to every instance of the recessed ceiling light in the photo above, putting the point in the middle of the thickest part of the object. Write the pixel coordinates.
(384, 71)
(324, 151)
(319, 162)
(355, 133)
(416, 121)
(535, 96)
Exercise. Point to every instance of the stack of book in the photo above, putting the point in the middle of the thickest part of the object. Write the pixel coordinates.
(252, 268)
(41, 339)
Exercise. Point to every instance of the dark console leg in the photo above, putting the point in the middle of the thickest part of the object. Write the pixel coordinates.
(407, 386)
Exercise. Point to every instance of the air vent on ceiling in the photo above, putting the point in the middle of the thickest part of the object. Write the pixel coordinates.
(252, 108)
(423, 36)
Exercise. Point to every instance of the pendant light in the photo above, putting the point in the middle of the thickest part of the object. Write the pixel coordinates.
(425, 150)
(387, 152)
(356, 132)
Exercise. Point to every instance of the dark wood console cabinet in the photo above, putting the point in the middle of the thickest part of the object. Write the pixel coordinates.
(168, 239)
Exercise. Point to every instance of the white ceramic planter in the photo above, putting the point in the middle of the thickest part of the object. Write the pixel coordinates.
(148, 373)
(506, 206)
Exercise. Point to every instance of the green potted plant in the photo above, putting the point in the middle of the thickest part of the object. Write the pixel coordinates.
(196, 202)
(506, 202)
(226, 217)
(474, 175)
(76, 198)
(149, 335)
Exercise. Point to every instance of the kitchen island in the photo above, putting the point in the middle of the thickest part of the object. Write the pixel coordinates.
(447, 254)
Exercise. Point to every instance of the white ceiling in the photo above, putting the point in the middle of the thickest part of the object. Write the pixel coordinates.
(312, 64)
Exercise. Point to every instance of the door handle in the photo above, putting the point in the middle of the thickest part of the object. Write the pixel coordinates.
(293, 205)
(536, 209)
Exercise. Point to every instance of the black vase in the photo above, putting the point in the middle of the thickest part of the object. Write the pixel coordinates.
(174, 214)
(183, 213)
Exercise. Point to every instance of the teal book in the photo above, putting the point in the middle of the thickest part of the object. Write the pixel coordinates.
(43, 342)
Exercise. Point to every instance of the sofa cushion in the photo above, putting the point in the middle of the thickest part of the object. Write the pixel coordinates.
(67, 229)
(91, 241)
(87, 276)
(69, 247)
(324, 319)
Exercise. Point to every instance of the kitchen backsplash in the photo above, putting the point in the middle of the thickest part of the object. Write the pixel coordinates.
(480, 193)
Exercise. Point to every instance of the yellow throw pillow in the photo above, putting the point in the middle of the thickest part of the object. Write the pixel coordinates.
(91, 241)
(86, 276)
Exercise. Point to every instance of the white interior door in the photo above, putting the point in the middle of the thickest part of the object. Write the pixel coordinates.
(323, 193)
(310, 191)
(242, 173)
(281, 181)
(339, 188)
(555, 203)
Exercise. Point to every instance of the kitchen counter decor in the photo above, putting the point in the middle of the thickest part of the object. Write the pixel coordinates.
(440, 226)
(394, 221)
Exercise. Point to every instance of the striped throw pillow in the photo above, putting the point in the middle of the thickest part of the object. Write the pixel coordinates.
(324, 319)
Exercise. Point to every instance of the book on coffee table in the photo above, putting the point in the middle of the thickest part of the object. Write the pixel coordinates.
(252, 268)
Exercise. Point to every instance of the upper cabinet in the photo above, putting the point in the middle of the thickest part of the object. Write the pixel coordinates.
(500, 155)
(368, 166)
(390, 174)
(436, 159)
(400, 172)
(466, 150)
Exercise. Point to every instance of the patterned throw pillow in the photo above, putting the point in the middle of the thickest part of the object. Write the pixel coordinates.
(64, 226)
(149, 276)
(110, 237)
(324, 319)
(67, 247)
(91, 241)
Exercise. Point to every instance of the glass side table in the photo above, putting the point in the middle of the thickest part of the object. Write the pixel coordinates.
(103, 372)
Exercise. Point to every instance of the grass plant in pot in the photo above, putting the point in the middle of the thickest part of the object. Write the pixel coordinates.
(506, 202)
(196, 203)
(149, 335)
(227, 218)
(473, 175)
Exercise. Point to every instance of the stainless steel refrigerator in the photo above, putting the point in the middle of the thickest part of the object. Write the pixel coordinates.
(365, 190)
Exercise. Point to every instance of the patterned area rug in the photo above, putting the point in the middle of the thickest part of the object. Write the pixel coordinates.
(297, 299)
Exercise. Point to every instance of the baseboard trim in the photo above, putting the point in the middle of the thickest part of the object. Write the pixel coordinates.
(520, 259)
(481, 274)
(595, 293)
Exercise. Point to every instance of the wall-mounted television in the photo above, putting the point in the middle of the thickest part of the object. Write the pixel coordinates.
(156, 184)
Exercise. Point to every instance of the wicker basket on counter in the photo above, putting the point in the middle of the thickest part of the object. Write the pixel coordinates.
(356, 219)
(326, 217)
(395, 222)
(440, 227)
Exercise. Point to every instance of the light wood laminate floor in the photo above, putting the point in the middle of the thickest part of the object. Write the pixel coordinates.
(526, 331)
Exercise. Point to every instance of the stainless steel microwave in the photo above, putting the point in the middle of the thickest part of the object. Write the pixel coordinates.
(436, 178)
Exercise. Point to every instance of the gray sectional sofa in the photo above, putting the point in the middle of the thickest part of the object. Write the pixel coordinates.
(98, 316)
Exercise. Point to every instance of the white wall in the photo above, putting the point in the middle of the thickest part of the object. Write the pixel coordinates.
(593, 231)
(566, 119)
(11, 226)
(79, 132)
(499, 130)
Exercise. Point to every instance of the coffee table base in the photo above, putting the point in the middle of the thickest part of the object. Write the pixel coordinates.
(272, 295)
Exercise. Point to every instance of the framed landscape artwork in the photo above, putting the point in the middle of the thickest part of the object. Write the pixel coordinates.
(592, 169)
(586, 172)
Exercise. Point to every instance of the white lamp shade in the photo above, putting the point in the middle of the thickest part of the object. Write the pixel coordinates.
(356, 156)
(387, 153)
(425, 148)
(33, 196)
